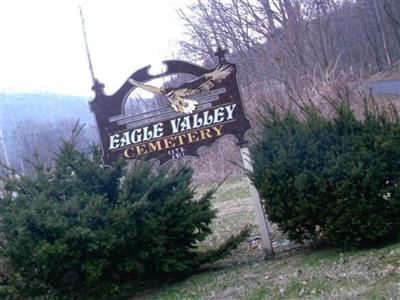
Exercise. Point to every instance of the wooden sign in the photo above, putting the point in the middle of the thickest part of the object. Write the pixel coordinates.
(202, 111)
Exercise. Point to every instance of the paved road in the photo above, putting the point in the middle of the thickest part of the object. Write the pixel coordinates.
(384, 87)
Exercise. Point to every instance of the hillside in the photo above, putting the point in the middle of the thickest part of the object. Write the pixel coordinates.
(19, 107)
(323, 274)
(34, 122)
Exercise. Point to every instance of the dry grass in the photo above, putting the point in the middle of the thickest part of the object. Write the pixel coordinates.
(388, 74)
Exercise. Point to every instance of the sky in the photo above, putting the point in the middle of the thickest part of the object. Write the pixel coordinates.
(42, 47)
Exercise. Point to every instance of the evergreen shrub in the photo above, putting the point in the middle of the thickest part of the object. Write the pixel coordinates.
(84, 231)
(335, 178)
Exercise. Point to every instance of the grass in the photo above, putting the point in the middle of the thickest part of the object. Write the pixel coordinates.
(229, 190)
(322, 274)
(234, 211)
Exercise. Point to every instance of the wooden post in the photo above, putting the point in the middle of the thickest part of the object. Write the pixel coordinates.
(260, 215)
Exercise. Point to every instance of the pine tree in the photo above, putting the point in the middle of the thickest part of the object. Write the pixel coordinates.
(334, 178)
(83, 230)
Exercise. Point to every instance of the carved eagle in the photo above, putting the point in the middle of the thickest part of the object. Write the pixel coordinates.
(178, 97)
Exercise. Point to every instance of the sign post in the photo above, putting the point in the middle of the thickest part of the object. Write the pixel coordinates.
(260, 215)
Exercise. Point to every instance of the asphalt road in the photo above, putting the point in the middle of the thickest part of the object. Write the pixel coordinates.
(384, 87)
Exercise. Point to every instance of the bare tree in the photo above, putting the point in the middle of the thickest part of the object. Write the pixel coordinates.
(291, 41)
(39, 142)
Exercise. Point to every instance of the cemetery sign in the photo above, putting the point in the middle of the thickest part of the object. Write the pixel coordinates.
(201, 112)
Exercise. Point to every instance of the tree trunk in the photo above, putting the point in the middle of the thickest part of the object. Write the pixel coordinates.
(382, 32)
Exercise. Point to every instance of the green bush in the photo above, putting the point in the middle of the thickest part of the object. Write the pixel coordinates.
(335, 178)
(82, 230)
